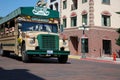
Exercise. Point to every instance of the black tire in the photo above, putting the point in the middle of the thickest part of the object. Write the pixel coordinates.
(2, 52)
(62, 58)
(6, 53)
(25, 57)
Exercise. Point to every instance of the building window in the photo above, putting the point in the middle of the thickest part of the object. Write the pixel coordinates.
(106, 20)
(84, 1)
(84, 45)
(106, 1)
(52, 0)
(106, 46)
(65, 4)
(74, 21)
(64, 23)
(51, 7)
(56, 6)
(84, 19)
(74, 5)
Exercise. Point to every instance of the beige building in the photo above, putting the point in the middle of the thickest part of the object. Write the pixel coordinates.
(101, 21)
(54, 4)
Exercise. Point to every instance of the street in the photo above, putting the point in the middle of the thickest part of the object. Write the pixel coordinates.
(12, 68)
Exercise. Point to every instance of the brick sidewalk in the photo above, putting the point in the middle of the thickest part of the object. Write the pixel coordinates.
(100, 59)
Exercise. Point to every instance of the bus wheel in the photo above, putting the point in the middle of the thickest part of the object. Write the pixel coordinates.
(6, 53)
(62, 58)
(1, 51)
(25, 57)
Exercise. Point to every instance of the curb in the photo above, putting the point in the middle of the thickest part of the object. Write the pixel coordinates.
(94, 59)
(102, 61)
(74, 57)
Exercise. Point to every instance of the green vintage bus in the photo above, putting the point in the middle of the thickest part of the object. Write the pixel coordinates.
(31, 32)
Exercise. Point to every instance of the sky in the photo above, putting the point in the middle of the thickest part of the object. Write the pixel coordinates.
(7, 6)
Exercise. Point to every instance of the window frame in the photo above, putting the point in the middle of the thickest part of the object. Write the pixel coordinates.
(64, 4)
(106, 2)
(84, 1)
(106, 20)
(51, 7)
(64, 22)
(74, 6)
(84, 18)
(52, 0)
(73, 21)
(56, 6)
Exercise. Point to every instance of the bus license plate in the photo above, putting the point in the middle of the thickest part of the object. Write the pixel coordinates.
(49, 51)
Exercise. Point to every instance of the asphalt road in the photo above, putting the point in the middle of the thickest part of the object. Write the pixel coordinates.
(11, 68)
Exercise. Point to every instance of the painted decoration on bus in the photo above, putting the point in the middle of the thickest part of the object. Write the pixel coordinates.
(40, 11)
(40, 8)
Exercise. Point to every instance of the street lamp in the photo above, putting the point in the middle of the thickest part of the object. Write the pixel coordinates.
(83, 41)
(83, 25)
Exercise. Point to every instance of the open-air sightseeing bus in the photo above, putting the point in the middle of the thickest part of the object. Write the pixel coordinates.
(30, 32)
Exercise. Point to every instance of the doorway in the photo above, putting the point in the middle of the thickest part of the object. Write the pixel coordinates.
(75, 42)
(107, 46)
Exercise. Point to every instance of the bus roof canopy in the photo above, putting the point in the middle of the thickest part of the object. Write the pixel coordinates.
(39, 12)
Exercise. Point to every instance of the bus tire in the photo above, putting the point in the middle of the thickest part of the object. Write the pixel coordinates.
(62, 58)
(25, 57)
(6, 53)
(1, 51)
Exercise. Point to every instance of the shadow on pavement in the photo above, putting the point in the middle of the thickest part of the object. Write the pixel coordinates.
(46, 60)
(17, 74)
(38, 60)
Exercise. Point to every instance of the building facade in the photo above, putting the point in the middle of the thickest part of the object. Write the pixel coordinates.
(101, 20)
(54, 4)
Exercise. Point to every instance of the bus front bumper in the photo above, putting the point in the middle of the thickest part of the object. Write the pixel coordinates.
(47, 52)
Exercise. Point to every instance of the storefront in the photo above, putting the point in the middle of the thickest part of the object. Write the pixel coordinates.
(98, 41)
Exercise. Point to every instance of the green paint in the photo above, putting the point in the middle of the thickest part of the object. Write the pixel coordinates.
(28, 11)
(48, 42)
(45, 52)
(8, 44)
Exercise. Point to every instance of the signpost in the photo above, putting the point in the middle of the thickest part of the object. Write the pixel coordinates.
(83, 39)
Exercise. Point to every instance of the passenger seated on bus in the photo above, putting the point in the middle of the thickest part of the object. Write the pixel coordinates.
(6, 30)
(12, 29)
(1, 31)
(43, 28)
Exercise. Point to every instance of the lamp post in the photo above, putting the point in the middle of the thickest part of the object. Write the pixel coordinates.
(83, 41)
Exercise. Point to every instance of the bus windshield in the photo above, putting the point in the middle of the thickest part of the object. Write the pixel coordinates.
(33, 26)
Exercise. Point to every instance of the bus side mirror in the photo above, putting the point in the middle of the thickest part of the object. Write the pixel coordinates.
(61, 28)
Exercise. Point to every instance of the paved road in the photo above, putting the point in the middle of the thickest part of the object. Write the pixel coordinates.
(11, 68)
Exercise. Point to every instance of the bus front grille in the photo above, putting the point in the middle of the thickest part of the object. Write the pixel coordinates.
(48, 42)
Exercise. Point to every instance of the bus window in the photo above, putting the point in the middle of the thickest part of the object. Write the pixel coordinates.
(32, 26)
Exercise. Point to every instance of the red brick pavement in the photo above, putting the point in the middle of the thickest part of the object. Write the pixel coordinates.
(97, 60)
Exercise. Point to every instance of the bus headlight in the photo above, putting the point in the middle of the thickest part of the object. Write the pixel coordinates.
(32, 40)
